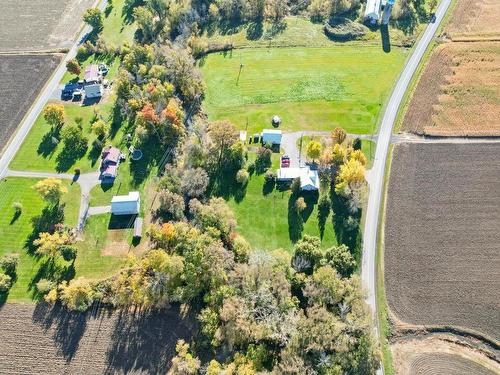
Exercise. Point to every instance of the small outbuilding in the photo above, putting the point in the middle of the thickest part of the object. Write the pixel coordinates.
(138, 227)
(271, 136)
(93, 91)
(372, 11)
(126, 204)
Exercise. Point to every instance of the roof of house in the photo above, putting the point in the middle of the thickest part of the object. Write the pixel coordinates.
(271, 131)
(309, 179)
(132, 196)
(111, 154)
(110, 170)
(91, 73)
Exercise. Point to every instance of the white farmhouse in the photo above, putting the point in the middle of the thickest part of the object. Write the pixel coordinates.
(271, 136)
(126, 204)
(309, 178)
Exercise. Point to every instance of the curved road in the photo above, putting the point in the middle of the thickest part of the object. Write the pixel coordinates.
(376, 180)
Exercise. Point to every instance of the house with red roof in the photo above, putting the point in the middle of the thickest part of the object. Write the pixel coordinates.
(110, 161)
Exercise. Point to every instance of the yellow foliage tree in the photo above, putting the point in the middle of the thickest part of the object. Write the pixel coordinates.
(339, 154)
(77, 294)
(313, 150)
(50, 189)
(359, 156)
(54, 115)
(350, 174)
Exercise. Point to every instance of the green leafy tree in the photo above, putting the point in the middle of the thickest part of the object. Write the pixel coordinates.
(313, 150)
(100, 129)
(5, 282)
(9, 263)
(93, 17)
(73, 67)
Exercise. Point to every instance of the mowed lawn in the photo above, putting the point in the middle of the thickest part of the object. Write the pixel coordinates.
(15, 231)
(39, 153)
(265, 220)
(118, 26)
(310, 88)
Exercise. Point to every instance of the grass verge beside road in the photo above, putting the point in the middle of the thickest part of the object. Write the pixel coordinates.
(382, 307)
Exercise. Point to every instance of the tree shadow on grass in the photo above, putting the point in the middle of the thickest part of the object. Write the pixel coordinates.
(48, 144)
(69, 156)
(15, 217)
(145, 341)
(95, 152)
(51, 269)
(346, 225)
(255, 30)
(295, 220)
(45, 222)
(386, 39)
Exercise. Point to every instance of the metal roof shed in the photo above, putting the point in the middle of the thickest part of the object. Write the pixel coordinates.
(138, 227)
(126, 204)
(272, 136)
(372, 10)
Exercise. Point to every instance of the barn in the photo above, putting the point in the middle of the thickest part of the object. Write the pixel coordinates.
(126, 204)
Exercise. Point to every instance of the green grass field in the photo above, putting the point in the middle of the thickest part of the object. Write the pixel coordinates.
(90, 263)
(118, 26)
(39, 153)
(14, 232)
(265, 221)
(310, 88)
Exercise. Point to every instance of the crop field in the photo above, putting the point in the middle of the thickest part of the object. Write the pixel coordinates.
(16, 229)
(310, 88)
(22, 78)
(474, 19)
(458, 93)
(442, 243)
(40, 25)
(38, 339)
(439, 364)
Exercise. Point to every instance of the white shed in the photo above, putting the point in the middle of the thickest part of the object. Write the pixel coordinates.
(372, 10)
(272, 136)
(126, 204)
(93, 91)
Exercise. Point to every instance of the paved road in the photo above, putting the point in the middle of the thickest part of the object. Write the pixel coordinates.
(368, 267)
(40, 102)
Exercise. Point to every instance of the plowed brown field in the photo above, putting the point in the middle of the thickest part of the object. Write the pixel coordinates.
(43, 340)
(34, 25)
(458, 92)
(445, 364)
(22, 78)
(442, 236)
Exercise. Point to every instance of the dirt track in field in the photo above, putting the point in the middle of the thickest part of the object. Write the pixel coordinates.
(442, 236)
(38, 339)
(22, 79)
(458, 93)
(440, 356)
(35, 25)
